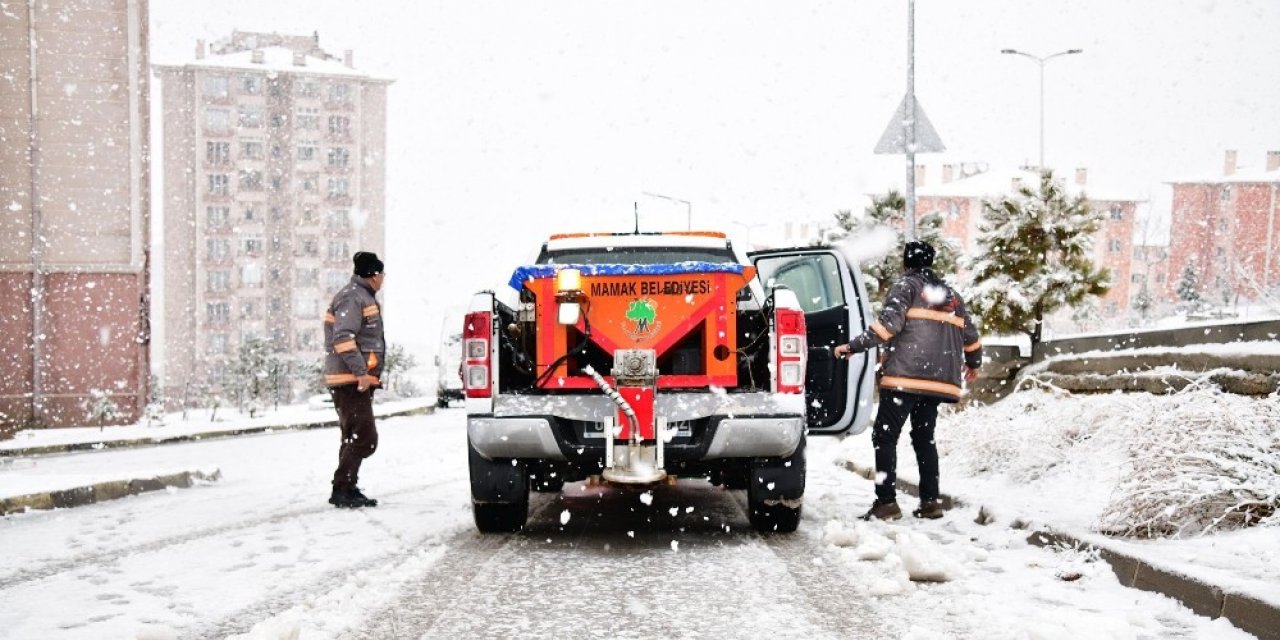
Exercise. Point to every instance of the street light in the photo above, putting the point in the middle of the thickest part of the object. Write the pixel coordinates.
(688, 207)
(1041, 62)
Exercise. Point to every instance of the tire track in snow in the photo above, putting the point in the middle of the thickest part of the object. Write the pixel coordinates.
(429, 596)
(52, 569)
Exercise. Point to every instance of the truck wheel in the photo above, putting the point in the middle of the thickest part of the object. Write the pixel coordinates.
(775, 491)
(499, 493)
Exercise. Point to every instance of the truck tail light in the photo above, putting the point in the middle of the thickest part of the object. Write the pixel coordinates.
(477, 331)
(792, 350)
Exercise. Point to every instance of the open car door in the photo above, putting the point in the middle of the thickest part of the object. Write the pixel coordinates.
(833, 297)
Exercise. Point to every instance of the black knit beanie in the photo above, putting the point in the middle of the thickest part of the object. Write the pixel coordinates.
(918, 255)
(367, 264)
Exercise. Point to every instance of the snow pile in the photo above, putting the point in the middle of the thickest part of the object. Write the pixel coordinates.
(925, 560)
(1031, 433)
(1186, 464)
(910, 556)
(1206, 462)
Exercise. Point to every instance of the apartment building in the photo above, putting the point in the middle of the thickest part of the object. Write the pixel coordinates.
(1230, 225)
(74, 181)
(274, 160)
(958, 197)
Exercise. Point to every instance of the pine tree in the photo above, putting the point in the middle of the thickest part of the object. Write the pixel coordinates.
(397, 361)
(102, 409)
(1189, 284)
(256, 374)
(1143, 302)
(889, 211)
(1035, 250)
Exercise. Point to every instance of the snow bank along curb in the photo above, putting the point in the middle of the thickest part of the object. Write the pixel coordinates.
(1260, 618)
(196, 437)
(103, 491)
(1161, 373)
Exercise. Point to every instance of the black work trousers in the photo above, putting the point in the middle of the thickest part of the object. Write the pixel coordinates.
(359, 434)
(895, 408)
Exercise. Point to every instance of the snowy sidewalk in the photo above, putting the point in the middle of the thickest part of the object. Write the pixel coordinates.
(1206, 575)
(35, 442)
(28, 481)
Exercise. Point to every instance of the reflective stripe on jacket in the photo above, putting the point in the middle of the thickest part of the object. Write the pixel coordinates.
(927, 334)
(353, 342)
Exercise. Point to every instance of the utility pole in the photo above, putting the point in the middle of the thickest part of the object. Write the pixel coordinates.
(1041, 62)
(910, 122)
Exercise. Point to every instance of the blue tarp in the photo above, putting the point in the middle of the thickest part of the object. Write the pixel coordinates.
(533, 271)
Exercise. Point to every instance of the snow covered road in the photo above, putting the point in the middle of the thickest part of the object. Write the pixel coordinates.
(261, 555)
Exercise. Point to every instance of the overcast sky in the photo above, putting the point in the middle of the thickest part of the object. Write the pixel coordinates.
(509, 121)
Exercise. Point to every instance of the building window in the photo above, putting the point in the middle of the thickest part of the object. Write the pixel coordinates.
(338, 250)
(277, 183)
(308, 118)
(339, 126)
(278, 119)
(251, 149)
(1220, 252)
(308, 278)
(308, 216)
(1226, 193)
(308, 89)
(277, 214)
(217, 248)
(250, 116)
(1136, 278)
(1117, 212)
(250, 180)
(309, 246)
(217, 120)
(219, 280)
(276, 305)
(306, 339)
(307, 150)
(1115, 245)
(340, 93)
(339, 156)
(217, 152)
(249, 214)
(219, 184)
(1159, 278)
(218, 312)
(216, 86)
(305, 305)
(335, 279)
(274, 89)
(251, 275)
(339, 188)
(251, 85)
(217, 217)
(310, 183)
(217, 343)
(247, 310)
(252, 247)
(339, 219)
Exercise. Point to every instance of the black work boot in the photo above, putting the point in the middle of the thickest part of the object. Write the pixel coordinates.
(883, 511)
(342, 498)
(365, 501)
(931, 509)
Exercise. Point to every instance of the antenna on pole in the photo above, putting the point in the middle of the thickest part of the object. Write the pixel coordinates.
(636, 207)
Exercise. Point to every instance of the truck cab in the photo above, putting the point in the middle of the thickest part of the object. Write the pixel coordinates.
(652, 357)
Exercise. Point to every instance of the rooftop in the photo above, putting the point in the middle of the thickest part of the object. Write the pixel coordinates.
(997, 182)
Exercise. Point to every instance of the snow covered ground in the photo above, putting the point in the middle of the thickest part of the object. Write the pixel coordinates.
(261, 554)
(1058, 460)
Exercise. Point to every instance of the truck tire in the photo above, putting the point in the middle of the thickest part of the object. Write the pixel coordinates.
(775, 491)
(499, 493)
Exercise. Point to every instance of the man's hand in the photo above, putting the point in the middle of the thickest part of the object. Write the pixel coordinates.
(841, 351)
(970, 374)
(364, 382)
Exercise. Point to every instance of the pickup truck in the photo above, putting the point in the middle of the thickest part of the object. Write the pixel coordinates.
(646, 357)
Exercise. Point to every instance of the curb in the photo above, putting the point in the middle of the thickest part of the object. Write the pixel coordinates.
(1248, 614)
(193, 437)
(102, 491)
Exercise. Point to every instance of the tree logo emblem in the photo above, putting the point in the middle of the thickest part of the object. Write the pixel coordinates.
(642, 319)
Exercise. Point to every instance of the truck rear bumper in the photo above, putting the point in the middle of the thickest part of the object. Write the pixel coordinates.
(733, 437)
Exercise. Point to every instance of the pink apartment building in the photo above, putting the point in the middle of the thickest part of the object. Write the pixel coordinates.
(74, 181)
(1230, 225)
(958, 198)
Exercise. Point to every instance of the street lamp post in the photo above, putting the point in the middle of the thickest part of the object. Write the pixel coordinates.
(1041, 62)
(688, 207)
